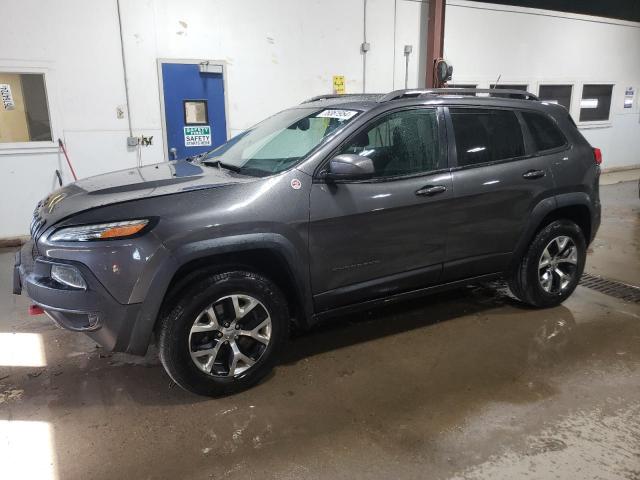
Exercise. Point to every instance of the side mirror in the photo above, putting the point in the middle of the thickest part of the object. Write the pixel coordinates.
(350, 167)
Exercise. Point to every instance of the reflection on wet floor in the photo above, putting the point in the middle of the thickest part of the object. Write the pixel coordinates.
(465, 384)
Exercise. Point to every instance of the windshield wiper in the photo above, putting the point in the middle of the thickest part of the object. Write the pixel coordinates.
(218, 163)
(195, 157)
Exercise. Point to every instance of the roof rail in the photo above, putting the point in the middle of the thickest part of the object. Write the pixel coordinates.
(334, 95)
(490, 92)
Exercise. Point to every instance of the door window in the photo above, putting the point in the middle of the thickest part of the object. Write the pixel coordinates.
(484, 135)
(401, 143)
(545, 134)
(195, 112)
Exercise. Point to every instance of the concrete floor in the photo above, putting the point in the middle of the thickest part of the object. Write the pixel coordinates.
(466, 384)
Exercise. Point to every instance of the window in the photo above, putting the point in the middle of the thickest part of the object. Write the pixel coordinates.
(401, 143)
(195, 112)
(24, 114)
(546, 135)
(505, 86)
(510, 87)
(280, 141)
(463, 85)
(560, 94)
(595, 103)
(484, 135)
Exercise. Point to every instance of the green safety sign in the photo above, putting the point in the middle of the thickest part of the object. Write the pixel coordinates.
(199, 136)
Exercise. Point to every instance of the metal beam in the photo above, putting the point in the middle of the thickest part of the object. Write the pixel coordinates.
(435, 39)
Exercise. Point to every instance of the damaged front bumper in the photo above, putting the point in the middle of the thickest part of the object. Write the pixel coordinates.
(92, 310)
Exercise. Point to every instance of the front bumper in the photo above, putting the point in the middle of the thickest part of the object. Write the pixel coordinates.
(93, 311)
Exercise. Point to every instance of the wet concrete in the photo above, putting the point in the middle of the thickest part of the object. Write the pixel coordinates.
(466, 384)
(615, 252)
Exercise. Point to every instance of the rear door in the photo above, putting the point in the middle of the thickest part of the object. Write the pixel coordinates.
(385, 235)
(497, 180)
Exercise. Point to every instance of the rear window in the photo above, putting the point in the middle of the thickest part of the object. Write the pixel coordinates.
(545, 133)
(486, 135)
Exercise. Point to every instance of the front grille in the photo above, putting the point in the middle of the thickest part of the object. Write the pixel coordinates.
(624, 291)
(37, 222)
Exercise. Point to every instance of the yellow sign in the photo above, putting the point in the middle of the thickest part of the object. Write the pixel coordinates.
(338, 84)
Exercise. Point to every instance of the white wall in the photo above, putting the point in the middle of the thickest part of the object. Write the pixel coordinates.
(278, 53)
(537, 46)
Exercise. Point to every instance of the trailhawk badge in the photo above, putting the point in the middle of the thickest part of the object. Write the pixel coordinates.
(296, 184)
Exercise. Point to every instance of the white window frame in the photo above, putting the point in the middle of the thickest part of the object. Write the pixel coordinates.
(564, 83)
(595, 123)
(10, 148)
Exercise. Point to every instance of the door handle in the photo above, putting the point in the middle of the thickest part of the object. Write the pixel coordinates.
(533, 174)
(173, 153)
(431, 190)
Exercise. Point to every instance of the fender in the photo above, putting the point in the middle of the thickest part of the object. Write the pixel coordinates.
(168, 263)
(544, 208)
(574, 198)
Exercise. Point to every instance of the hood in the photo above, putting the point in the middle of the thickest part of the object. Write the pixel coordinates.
(126, 185)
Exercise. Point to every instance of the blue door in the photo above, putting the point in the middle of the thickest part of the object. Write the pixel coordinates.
(193, 109)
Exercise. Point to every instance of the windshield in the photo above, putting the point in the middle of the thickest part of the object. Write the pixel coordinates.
(280, 141)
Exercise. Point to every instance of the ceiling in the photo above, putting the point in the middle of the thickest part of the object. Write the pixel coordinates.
(620, 9)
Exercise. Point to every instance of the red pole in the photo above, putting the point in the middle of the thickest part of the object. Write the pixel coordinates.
(73, 172)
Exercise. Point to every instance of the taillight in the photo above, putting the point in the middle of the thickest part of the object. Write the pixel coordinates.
(597, 154)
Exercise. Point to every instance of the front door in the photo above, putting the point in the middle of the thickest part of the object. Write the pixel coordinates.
(194, 108)
(386, 235)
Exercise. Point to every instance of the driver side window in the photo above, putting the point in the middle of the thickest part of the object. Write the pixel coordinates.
(401, 143)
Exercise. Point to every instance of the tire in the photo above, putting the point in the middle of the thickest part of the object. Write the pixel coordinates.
(193, 331)
(536, 280)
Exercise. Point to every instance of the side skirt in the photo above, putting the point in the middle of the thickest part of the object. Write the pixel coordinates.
(400, 297)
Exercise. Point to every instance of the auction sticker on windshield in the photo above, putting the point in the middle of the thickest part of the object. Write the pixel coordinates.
(339, 114)
(197, 136)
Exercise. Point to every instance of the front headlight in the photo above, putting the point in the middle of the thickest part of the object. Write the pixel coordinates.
(100, 231)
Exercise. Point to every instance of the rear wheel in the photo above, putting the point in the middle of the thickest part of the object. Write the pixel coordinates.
(224, 334)
(552, 265)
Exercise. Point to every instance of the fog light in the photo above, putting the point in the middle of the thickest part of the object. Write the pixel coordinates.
(68, 275)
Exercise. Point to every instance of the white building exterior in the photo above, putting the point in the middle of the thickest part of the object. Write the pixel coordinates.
(278, 53)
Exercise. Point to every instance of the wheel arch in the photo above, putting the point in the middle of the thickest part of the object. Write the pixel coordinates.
(271, 255)
(571, 206)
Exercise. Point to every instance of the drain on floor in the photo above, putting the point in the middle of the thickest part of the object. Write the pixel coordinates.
(630, 293)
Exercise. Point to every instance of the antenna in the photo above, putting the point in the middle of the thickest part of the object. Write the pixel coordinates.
(497, 80)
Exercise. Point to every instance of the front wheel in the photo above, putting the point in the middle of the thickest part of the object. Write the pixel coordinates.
(552, 265)
(224, 333)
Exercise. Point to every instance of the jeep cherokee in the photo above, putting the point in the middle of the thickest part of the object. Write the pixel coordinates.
(340, 203)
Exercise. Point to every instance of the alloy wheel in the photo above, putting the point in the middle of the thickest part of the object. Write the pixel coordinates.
(558, 264)
(230, 336)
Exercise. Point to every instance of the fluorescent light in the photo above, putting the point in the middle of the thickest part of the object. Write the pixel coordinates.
(22, 350)
(589, 103)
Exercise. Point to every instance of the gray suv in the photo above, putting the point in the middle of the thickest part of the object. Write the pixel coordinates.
(337, 204)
